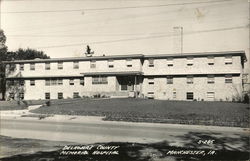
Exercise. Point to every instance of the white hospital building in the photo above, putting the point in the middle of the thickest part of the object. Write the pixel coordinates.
(189, 76)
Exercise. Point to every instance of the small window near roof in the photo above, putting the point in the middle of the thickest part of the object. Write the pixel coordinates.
(60, 65)
(190, 61)
(228, 60)
(76, 65)
(92, 64)
(170, 62)
(21, 67)
(210, 60)
(129, 62)
(47, 66)
(111, 63)
(32, 66)
(151, 62)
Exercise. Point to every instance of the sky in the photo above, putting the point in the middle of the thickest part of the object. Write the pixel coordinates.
(63, 28)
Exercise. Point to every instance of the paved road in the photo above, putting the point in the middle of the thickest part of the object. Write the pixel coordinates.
(126, 132)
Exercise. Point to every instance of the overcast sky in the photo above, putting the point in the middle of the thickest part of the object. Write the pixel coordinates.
(62, 28)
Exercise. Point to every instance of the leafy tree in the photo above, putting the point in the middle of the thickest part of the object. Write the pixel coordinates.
(20, 54)
(3, 51)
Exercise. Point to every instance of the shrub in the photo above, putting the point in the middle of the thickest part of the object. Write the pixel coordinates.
(246, 98)
(47, 103)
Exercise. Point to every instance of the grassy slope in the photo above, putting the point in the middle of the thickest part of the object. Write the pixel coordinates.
(140, 110)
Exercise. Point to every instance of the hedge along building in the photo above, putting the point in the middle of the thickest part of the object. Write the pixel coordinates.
(200, 76)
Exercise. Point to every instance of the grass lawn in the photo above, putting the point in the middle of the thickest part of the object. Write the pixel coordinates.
(11, 105)
(158, 111)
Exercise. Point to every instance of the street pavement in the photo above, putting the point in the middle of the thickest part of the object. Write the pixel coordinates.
(89, 129)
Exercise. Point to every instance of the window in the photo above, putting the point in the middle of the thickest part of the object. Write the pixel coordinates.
(151, 62)
(12, 67)
(21, 96)
(111, 63)
(190, 95)
(71, 82)
(21, 82)
(60, 82)
(150, 94)
(60, 95)
(151, 81)
(190, 80)
(53, 82)
(32, 82)
(47, 66)
(82, 81)
(210, 94)
(47, 82)
(99, 80)
(169, 80)
(21, 67)
(190, 61)
(60, 65)
(11, 82)
(210, 79)
(170, 62)
(11, 95)
(210, 60)
(47, 96)
(174, 95)
(32, 66)
(228, 60)
(76, 95)
(76, 65)
(228, 79)
(92, 64)
(129, 62)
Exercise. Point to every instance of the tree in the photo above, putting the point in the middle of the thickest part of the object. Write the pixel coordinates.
(3, 51)
(20, 54)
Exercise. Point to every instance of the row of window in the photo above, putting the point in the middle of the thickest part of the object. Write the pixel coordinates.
(190, 61)
(104, 80)
(54, 82)
(189, 95)
(60, 95)
(75, 65)
(190, 79)
(170, 62)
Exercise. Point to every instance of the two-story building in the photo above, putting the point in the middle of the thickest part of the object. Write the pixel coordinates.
(201, 76)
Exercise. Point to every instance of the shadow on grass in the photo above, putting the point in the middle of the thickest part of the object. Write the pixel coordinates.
(223, 148)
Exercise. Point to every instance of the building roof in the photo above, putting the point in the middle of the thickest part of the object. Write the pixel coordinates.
(138, 56)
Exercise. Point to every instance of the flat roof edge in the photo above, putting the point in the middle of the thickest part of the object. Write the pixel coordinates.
(240, 52)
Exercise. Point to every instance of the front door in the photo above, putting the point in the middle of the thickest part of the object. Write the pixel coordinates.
(126, 83)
